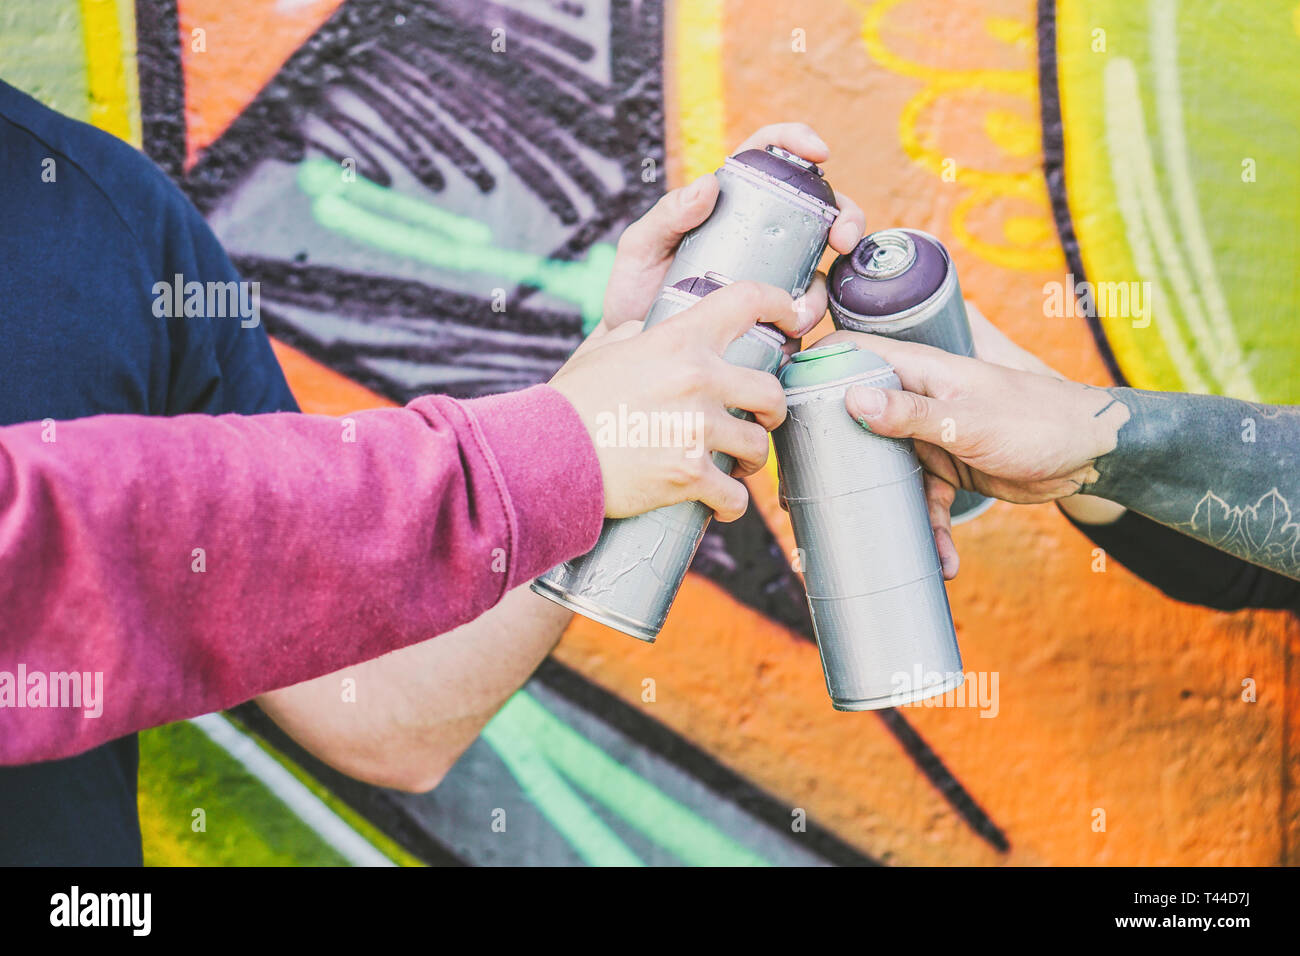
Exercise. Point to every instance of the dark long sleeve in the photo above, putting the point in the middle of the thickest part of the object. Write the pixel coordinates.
(1189, 570)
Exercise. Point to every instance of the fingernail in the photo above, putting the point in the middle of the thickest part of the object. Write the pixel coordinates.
(870, 403)
(807, 321)
(948, 557)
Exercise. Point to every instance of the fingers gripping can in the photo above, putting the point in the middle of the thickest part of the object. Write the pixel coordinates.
(771, 222)
(901, 283)
(874, 583)
(630, 578)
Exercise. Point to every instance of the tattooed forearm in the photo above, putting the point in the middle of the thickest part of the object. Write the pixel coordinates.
(1224, 471)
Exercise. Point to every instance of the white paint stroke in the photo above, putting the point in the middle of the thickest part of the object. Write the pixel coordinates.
(1124, 131)
(289, 790)
(1224, 351)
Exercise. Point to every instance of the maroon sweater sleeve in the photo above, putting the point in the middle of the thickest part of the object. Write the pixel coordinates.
(186, 564)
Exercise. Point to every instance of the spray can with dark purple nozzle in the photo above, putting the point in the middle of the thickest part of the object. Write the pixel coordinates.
(629, 579)
(901, 283)
(771, 222)
(871, 571)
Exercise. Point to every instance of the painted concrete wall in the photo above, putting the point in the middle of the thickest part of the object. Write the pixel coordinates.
(1120, 731)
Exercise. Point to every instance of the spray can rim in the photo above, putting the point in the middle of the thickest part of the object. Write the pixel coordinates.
(845, 270)
(815, 194)
(795, 158)
(884, 254)
(824, 366)
(769, 332)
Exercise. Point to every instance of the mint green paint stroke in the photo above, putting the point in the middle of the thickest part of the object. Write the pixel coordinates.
(368, 213)
(587, 833)
(43, 53)
(319, 177)
(637, 802)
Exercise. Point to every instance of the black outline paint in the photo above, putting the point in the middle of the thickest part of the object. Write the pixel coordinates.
(750, 581)
(1049, 95)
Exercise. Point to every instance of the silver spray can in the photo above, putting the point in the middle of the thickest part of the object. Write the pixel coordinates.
(875, 586)
(630, 578)
(771, 222)
(901, 283)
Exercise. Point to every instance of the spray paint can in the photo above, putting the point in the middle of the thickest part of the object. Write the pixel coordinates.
(629, 579)
(771, 222)
(901, 283)
(871, 571)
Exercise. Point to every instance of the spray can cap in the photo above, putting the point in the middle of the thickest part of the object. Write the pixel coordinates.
(824, 364)
(887, 272)
(793, 172)
(700, 286)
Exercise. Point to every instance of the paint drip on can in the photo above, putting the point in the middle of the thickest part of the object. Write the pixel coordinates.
(771, 222)
(629, 579)
(901, 283)
(871, 570)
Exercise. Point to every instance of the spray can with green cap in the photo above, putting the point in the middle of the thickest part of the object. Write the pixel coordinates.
(629, 579)
(871, 571)
(901, 283)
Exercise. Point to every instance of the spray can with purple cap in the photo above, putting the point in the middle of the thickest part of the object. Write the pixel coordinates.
(770, 224)
(901, 283)
(629, 579)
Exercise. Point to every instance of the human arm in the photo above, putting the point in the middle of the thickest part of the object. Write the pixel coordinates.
(417, 709)
(196, 561)
(199, 561)
(404, 719)
(1182, 460)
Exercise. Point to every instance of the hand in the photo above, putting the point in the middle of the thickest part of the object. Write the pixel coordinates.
(992, 346)
(675, 373)
(646, 248)
(1021, 436)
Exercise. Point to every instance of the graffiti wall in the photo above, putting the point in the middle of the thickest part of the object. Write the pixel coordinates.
(499, 149)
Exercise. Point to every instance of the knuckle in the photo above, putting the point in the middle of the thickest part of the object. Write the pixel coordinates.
(694, 374)
(773, 395)
(684, 472)
(748, 295)
(909, 403)
(630, 239)
(737, 501)
(686, 374)
(945, 494)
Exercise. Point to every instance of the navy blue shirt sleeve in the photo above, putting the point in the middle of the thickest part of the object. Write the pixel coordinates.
(91, 228)
(221, 361)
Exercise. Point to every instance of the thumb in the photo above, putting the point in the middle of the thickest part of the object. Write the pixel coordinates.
(894, 413)
(653, 238)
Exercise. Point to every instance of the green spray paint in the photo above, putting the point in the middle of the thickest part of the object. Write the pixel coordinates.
(44, 54)
(414, 229)
(564, 809)
(523, 723)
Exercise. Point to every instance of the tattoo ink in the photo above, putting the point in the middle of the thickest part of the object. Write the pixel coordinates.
(1221, 470)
